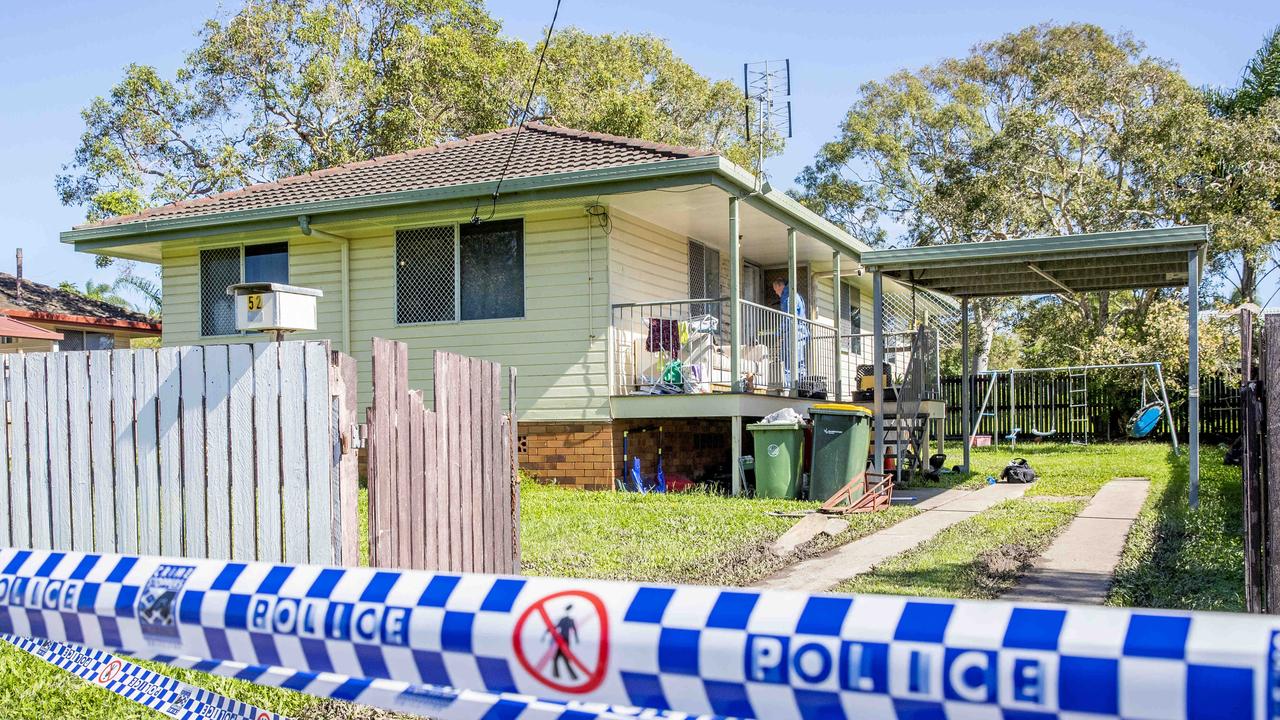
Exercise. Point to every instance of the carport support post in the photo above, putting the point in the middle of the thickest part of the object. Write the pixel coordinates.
(735, 447)
(793, 334)
(1193, 375)
(735, 302)
(837, 296)
(966, 411)
(877, 362)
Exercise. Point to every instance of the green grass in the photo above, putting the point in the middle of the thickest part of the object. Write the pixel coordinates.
(977, 558)
(686, 538)
(1174, 558)
(1179, 558)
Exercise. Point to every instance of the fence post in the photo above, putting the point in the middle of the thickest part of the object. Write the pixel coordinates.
(1271, 457)
(342, 373)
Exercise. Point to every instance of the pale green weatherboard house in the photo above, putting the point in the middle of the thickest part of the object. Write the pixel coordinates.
(603, 273)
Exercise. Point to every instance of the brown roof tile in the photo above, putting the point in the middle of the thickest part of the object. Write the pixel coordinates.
(39, 298)
(541, 150)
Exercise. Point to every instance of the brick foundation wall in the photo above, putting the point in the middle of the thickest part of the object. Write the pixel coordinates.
(694, 447)
(589, 454)
(579, 454)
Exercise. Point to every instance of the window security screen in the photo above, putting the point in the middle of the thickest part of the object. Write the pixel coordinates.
(219, 267)
(480, 277)
(492, 270)
(425, 275)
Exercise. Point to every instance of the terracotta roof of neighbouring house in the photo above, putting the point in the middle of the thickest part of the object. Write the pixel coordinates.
(18, 329)
(41, 302)
(540, 150)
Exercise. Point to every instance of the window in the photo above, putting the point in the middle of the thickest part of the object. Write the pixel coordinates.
(460, 272)
(223, 267)
(81, 340)
(704, 276)
(850, 314)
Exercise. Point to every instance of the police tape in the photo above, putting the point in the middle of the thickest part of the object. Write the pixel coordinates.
(145, 687)
(441, 703)
(683, 649)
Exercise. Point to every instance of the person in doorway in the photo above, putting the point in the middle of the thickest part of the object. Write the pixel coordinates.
(784, 334)
(566, 631)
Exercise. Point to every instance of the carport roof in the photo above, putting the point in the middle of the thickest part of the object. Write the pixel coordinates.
(1035, 266)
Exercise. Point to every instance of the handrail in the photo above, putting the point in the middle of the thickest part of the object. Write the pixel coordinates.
(682, 301)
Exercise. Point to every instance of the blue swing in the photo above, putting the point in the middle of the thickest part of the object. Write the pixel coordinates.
(1145, 419)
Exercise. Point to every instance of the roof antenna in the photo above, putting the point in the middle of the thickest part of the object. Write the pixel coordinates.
(475, 213)
(766, 85)
(17, 283)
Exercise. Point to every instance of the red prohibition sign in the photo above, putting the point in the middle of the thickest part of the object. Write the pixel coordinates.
(561, 646)
(264, 715)
(109, 673)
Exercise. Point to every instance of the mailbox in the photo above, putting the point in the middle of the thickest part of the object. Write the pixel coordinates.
(274, 307)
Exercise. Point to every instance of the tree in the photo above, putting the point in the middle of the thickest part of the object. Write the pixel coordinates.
(149, 289)
(283, 87)
(636, 86)
(1049, 130)
(1241, 195)
(102, 292)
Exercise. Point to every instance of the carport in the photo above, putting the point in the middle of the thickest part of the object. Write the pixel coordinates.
(1065, 264)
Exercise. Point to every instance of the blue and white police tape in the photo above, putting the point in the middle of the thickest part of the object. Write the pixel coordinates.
(437, 702)
(690, 649)
(145, 687)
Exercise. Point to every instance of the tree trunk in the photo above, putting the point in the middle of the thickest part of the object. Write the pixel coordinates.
(1248, 279)
(984, 317)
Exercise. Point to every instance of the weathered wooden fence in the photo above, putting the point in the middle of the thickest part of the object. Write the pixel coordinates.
(1042, 403)
(224, 451)
(443, 493)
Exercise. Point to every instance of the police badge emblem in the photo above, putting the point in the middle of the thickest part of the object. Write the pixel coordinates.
(158, 602)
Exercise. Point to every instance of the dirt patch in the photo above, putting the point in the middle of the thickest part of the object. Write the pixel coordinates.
(1000, 567)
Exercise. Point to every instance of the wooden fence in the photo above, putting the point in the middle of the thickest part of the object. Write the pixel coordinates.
(224, 451)
(443, 493)
(1042, 404)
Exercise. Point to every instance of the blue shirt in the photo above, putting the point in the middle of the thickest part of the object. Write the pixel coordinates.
(786, 323)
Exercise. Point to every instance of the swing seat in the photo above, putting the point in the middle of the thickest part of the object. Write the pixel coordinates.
(1013, 434)
(1145, 419)
(1044, 433)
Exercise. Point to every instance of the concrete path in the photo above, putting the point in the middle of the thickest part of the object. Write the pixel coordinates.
(941, 512)
(1078, 566)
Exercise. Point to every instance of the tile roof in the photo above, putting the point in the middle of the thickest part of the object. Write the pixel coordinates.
(540, 150)
(45, 300)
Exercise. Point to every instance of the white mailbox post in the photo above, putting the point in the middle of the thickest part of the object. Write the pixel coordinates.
(274, 307)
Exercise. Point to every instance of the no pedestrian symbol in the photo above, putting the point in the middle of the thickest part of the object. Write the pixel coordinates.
(562, 640)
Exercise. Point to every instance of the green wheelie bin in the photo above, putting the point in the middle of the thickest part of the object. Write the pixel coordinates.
(841, 436)
(778, 457)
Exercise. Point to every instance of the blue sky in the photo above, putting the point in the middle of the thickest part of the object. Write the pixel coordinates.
(55, 56)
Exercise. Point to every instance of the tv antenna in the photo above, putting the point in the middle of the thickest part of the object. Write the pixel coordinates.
(766, 84)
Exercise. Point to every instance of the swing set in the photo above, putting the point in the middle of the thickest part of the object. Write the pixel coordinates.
(1043, 387)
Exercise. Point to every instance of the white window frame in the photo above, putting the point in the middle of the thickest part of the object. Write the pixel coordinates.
(457, 274)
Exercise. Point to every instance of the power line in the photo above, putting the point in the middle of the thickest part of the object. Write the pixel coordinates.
(537, 72)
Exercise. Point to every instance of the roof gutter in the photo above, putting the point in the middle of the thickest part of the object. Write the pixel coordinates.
(344, 264)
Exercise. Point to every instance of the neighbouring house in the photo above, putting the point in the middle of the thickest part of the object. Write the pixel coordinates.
(39, 318)
(628, 281)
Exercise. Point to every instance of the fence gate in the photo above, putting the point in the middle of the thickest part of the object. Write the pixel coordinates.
(224, 451)
(443, 493)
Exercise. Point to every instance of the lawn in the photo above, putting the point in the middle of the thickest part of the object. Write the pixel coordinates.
(1174, 558)
(687, 538)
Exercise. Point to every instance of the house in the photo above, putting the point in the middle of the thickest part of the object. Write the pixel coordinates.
(602, 262)
(39, 318)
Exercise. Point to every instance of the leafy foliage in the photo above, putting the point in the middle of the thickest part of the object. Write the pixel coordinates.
(96, 291)
(283, 87)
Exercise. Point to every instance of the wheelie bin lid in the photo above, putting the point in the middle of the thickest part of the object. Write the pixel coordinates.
(839, 409)
(785, 425)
